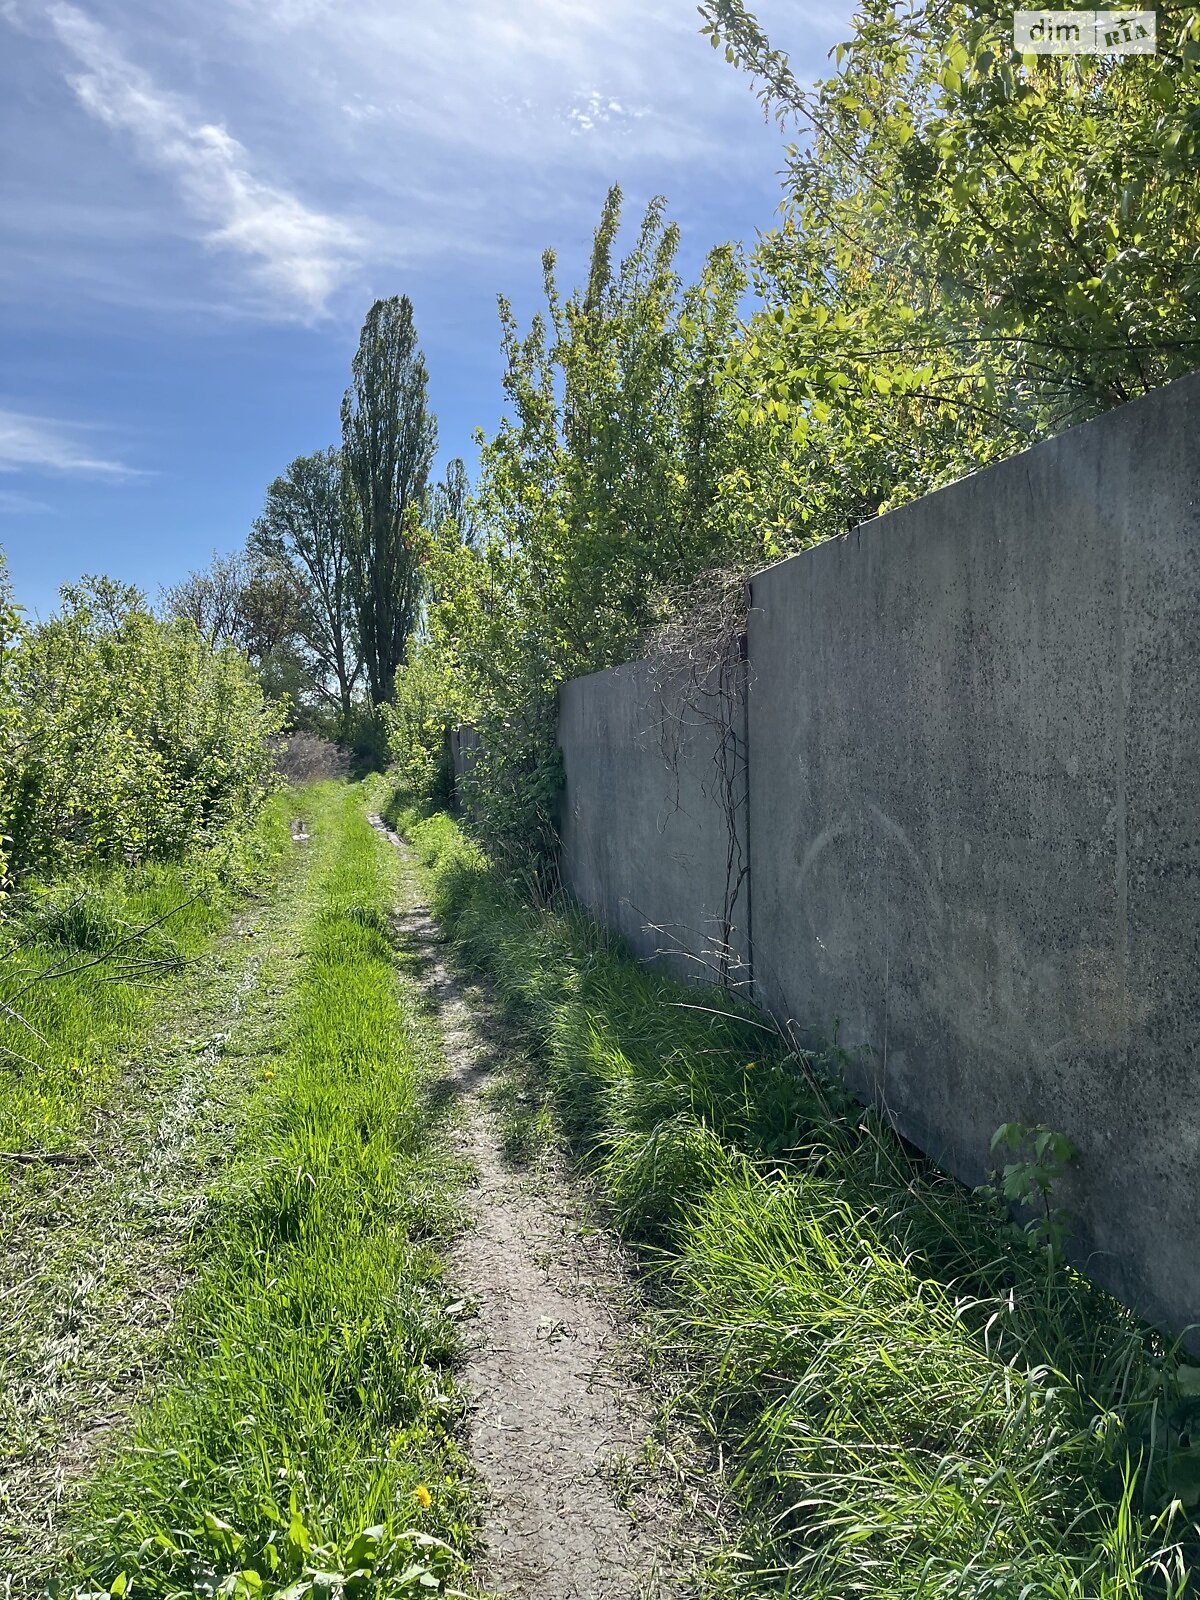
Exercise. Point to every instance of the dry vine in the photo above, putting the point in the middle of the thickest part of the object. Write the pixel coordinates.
(699, 674)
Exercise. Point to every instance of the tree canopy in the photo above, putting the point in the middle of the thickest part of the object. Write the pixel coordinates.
(987, 236)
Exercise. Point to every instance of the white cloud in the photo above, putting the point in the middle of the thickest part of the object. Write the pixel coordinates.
(493, 90)
(40, 444)
(593, 109)
(295, 251)
(433, 148)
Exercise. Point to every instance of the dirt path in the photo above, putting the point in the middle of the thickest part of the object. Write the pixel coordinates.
(560, 1424)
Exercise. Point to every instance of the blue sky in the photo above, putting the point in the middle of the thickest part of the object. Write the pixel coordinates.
(199, 201)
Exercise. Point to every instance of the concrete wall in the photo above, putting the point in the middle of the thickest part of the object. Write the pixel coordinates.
(974, 819)
(645, 838)
(464, 742)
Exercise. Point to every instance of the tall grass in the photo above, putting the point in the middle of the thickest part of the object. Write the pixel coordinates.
(82, 958)
(917, 1401)
(303, 1438)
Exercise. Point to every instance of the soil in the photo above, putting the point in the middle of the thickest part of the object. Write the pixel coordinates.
(562, 1426)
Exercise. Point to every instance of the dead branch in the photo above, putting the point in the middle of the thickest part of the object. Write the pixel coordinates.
(47, 1158)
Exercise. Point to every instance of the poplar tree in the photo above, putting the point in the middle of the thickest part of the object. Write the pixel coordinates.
(388, 440)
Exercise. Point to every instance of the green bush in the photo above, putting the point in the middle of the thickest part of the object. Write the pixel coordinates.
(417, 725)
(126, 738)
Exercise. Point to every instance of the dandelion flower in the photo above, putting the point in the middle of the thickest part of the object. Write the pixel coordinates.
(750, 1066)
(423, 1497)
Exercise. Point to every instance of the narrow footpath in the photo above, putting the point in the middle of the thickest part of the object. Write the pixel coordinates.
(561, 1428)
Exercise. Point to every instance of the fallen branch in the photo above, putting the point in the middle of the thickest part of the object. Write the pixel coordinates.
(48, 1158)
(106, 955)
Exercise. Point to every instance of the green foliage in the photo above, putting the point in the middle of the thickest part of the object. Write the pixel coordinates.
(10, 622)
(304, 1440)
(913, 1400)
(296, 1564)
(417, 723)
(1040, 1161)
(388, 440)
(609, 485)
(604, 483)
(450, 503)
(128, 738)
(255, 607)
(978, 248)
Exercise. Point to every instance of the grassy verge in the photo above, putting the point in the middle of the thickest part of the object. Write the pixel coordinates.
(113, 1099)
(914, 1399)
(300, 1434)
(83, 961)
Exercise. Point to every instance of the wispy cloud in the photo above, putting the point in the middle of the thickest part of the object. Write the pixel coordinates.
(494, 131)
(506, 85)
(13, 504)
(341, 148)
(295, 251)
(40, 444)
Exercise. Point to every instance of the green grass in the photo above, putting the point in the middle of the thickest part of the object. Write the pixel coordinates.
(92, 1247)
(911, 1399)
(77, 974)
(304, 1419)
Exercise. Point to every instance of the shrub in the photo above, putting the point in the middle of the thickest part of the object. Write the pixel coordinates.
(305, 757)
(127, 738)
(417, 725)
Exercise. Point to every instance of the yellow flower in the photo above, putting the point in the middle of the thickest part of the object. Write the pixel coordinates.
(267, 1076)
(750, 1066)
(423, 1497)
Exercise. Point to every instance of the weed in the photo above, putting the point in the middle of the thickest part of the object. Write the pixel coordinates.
(1040, 1158)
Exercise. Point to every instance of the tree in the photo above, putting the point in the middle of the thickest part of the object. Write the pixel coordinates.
(450, 503)
(302, 536)
(615, 478)
(212, 599)
(1034, 218)
(271, 604)
(608, 483)
(388, 441)
(241, 602)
